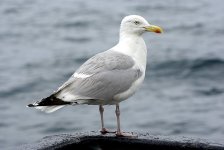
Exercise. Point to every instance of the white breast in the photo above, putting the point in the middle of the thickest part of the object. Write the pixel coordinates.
(133, 46)
(136, 48)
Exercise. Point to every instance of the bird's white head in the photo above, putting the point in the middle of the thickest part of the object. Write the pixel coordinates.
(137, 25)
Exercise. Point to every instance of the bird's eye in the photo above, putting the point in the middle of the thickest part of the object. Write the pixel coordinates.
(136, 22)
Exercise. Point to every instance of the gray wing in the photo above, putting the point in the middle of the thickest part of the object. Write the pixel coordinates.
(111, 73)
(108, 60)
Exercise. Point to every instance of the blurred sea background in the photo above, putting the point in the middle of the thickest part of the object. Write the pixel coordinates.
(43, 42)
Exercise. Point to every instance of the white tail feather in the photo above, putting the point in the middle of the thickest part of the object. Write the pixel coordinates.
(49, 109)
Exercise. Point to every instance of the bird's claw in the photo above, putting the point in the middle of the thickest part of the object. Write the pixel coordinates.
(105, 131)
(123, 134)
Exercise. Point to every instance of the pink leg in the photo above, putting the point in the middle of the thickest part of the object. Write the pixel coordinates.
(119, 133)
(117, 111)
(103, 129)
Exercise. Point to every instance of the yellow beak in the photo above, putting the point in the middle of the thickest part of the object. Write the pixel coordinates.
(153, 28)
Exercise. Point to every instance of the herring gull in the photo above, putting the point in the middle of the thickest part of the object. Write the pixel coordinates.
(109, 77)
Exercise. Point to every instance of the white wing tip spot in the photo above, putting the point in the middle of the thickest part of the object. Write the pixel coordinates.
(81, 75)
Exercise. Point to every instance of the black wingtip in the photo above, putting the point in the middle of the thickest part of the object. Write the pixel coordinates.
(30, 105)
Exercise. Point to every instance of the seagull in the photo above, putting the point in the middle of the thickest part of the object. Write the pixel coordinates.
(109, 77)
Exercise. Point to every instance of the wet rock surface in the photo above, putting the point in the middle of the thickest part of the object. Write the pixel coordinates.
(94, 141)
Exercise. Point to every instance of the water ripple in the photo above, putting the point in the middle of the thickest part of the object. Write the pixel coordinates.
(188, 68)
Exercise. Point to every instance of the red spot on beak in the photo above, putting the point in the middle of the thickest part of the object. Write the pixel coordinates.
(158, 31)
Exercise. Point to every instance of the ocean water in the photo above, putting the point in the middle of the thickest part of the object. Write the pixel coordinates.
(43, 42)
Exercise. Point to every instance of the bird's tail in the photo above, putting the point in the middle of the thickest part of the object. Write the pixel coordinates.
(49, 104)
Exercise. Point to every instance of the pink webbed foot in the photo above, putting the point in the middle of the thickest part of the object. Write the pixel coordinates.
(125, 134)
(105, 131)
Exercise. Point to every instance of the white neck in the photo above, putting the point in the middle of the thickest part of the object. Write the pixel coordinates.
(134, 46)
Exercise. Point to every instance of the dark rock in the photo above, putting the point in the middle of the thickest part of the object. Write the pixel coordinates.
(94, 141)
